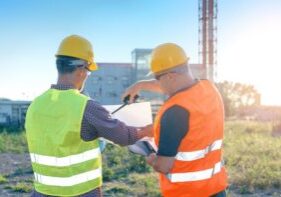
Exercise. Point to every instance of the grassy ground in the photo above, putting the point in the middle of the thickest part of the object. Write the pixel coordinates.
(127, 173)
(13, 143)
(252, 157)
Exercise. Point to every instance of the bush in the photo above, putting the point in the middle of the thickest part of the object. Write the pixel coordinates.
(237, 95)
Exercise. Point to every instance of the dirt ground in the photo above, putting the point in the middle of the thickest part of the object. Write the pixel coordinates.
(16, 168)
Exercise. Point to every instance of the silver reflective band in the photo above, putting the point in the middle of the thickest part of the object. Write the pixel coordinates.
(195, 176)
(191, 156)
(65, 161)
(68, 181)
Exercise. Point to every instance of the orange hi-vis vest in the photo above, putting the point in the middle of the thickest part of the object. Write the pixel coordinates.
(198, 170)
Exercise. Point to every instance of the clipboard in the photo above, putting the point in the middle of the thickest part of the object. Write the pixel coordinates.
(142, 147)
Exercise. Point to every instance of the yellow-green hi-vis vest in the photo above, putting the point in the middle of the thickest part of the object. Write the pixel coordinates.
(63, 164)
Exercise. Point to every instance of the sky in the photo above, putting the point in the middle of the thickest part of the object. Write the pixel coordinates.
(30, 31)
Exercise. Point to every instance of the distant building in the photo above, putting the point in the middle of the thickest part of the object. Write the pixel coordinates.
(111, 80)
(140, 63)
(13, 112)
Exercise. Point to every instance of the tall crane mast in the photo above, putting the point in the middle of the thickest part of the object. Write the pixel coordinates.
(208, 37)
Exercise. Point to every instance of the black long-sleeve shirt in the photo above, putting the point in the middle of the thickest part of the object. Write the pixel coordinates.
(174, 126)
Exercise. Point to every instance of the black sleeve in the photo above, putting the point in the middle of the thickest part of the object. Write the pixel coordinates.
(174, 126)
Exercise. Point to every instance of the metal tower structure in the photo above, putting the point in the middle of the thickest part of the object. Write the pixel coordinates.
(208, 37)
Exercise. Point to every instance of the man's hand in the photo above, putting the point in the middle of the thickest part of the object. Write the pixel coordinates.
(148, 85)
(151, 159)
(160, 163)
(132, 91)
(146, 131)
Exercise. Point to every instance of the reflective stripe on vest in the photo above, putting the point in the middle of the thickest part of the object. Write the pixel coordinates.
(68, 181)
(195, 176)
(65, 161)
(191, 156)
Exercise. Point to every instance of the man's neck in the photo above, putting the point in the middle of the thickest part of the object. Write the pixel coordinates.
(182, 85)
(66, 82)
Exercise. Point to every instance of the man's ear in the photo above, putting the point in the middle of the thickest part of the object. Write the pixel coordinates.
(169, 75)
(79, 72)
(173, 76)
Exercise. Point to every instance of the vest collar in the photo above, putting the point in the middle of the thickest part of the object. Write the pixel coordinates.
(62, 86)
(196, 81)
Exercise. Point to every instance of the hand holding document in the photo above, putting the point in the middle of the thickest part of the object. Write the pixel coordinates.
(138, 115)
(143, 147)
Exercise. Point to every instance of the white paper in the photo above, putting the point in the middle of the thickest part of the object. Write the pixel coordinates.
(135, 114)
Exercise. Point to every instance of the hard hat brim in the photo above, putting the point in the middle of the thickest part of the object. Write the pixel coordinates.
(151, 73)
(93, 66)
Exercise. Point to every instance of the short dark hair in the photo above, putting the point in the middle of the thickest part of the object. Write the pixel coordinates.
(64, 64)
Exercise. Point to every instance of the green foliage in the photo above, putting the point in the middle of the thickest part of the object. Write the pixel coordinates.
(118, 162)
(13, 128)
(3, 179)
(13, 143)
(20, 187)
(125, 173)
(134, 185)
(117, 189)
(237, 95)
(252, 156)
(146, 184)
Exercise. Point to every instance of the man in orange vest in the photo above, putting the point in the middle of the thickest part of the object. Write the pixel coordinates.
(188, 129)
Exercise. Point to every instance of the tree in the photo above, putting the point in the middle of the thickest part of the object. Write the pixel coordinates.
(237, 95)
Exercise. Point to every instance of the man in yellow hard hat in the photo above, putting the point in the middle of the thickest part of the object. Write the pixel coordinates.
(188, 128)
(63, 127)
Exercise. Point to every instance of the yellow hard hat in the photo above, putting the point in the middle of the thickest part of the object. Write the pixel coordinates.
(79, 47)
(167, 56)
